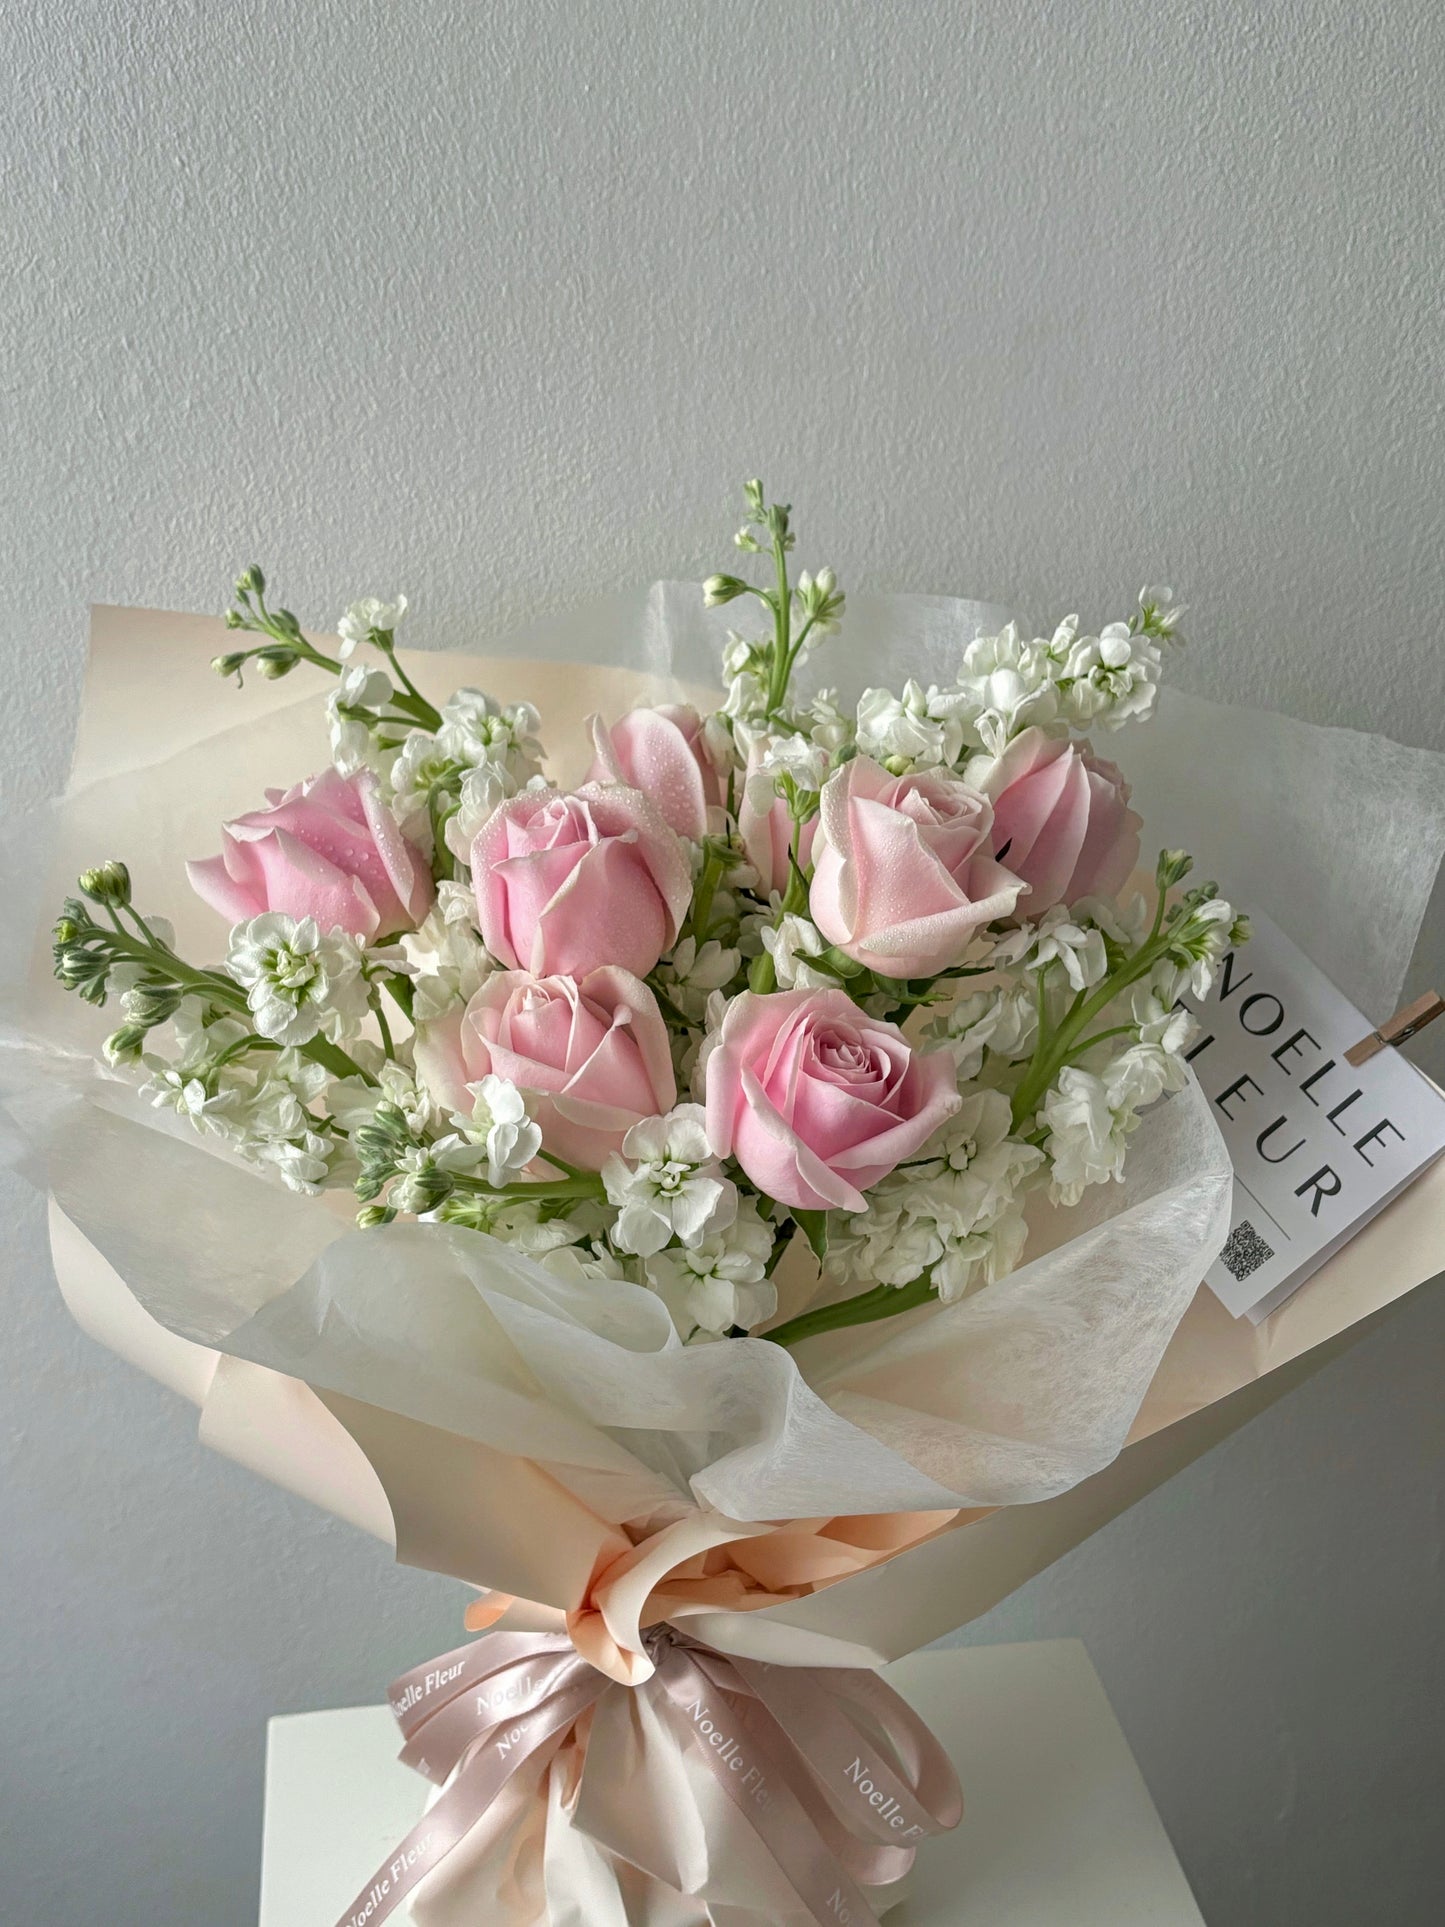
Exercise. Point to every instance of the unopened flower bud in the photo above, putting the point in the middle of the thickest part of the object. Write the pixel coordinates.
(251, 581)
(124, 1046)
(106, 883)
(230, 664)
(374, 1215)
(275, 662)
(722, 588)
(1174, 866)
(149, 1004)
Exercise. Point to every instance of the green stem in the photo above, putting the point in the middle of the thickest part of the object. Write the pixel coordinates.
(165, 963)
(782, 630)
(1052, 1054)
(334, 1059)
(425, 713)
(884, 1301)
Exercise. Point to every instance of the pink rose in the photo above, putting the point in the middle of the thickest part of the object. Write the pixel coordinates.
(1061, 820)
(598, 1051)
(816, 1100)
(767, 834)
(904, 872)
(567, 883)
(328, 849)
(662, 753)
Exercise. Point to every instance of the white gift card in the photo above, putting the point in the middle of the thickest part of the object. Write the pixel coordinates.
(1318, 1145)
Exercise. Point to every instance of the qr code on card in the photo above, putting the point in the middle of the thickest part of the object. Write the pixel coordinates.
(1245, 1251)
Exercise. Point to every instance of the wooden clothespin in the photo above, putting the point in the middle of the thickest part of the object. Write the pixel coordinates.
(1395, 1030)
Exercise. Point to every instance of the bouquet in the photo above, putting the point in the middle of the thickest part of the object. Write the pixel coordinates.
(667, 1180)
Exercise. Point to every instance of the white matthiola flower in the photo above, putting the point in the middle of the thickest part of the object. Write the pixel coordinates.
(483, 790)
(667, 1184)
(745, 668)
(578, 1263)
(424, 772)
(476, 729)
(1086, 1135)
(369, 613)
(720, 1284)
(953, 1213)
(790, 944)
(351, 710)
(1160, 613)
(1111, 678)
(298, 983)
(692, 973)
(500, 1123)
(415, 1188)
(829, 728)
(303, 1163)
(1007, 685)
(1078, 946)
(352, 1101)
(1004, 1021)
(795, 756)
(917, 730)
(1199, 943)
(1060, 936)
(445, 958)
(181, 1088)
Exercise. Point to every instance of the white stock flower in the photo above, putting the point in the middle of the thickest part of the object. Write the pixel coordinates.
(476, 733)
(1111, 678)
(918, 730)
(721, 1283)
(477, 729)
(578, 1263)
(790, 943)
(1153, 1063)
(415, 1189)
(1004, 1021)
(445, 958)
(1078, 946)
(1007, 685)
(352, 1101)
(500, 1124)
(794, 756)
(1199, 946)
(351, 707)
(483, 790)
(667, 1184)
(1086, 1136)
(953, 1213)
(692, 973)
(745, 669)
(298, 983)
(828, 726)
(364, 615)
(303, 1163)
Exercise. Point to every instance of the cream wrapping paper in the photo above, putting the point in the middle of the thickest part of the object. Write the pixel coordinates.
(496, 1424)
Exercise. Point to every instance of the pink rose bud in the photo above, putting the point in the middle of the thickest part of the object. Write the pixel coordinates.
(905, 875)
(566, 883)
(1061, 820)
(816, 1100)
(767, 834)
(597, 1050)
(662, 753)
(328, 849)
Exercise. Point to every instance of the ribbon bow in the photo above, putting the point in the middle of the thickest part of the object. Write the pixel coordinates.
(840, 1801)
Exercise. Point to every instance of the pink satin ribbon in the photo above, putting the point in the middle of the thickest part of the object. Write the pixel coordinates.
(840, 1801)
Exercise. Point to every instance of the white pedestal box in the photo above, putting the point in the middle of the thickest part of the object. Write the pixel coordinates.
(1058, 1827)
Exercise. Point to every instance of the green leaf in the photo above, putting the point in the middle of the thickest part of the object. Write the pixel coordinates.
(814, 1227)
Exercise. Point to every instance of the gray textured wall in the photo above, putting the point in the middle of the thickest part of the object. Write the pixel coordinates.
(497, 303)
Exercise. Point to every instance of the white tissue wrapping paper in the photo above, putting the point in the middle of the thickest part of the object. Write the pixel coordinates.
(441, 1390)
